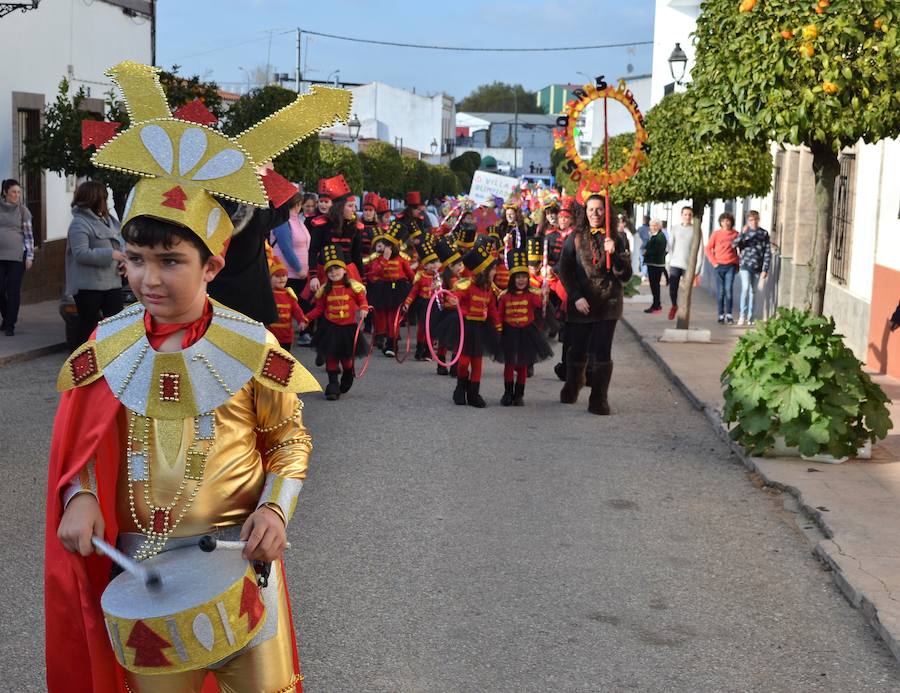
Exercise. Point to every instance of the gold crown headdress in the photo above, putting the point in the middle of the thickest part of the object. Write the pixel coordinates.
(184, 163)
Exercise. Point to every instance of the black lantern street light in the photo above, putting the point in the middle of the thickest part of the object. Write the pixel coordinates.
(353, 126)
(7, 7)
(434, 146)
(678, 64)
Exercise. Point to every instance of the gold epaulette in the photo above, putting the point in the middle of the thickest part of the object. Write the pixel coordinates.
(534, 290)
(357, 287)
(370, 258)
(462, 284)
(292, 293)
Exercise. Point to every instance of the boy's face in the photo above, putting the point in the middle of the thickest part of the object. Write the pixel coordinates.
(336, 274)
(171, 282)
(279, 281)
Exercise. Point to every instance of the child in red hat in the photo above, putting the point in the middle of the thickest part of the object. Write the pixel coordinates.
(286, 304)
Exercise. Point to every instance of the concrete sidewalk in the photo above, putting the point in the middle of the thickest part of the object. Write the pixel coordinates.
(856, 505)
(40, 331)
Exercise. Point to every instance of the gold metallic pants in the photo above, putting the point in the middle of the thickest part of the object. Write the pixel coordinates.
(267, 668)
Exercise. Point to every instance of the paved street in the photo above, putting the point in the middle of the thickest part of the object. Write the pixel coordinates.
(441, 548)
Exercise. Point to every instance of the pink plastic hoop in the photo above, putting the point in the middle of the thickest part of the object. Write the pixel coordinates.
(359, 328)
(408, 337)
(462, 330)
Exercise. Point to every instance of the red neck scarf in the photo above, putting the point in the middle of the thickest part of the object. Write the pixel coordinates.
(157, 332)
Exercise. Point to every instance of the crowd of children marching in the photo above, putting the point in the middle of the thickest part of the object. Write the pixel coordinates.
(465, 292)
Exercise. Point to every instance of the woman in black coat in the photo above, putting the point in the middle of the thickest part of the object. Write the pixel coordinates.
(595, 303)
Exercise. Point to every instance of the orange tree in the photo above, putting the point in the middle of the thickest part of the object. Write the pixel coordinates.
(819, 74)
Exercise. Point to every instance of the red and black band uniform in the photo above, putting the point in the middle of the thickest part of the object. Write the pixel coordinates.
(288, 309)
(481, 323)
(338, 303)
(417, 302)
(521, 342)
(389, 284)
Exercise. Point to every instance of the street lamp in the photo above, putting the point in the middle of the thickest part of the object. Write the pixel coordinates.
(334, 74)
(434, 146)
(246, 72)
(678, 63)
(353, 126)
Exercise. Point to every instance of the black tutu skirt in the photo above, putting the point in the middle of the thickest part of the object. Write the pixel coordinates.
(419, 308)
(481, 337)
(523, 346)
(383, 294)
(336, 341)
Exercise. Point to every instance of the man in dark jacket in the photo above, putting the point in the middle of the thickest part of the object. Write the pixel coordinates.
(595, 303)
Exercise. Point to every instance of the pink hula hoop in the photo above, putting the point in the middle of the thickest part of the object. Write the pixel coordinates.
(359, 327)
(408, 337)
(462, 330)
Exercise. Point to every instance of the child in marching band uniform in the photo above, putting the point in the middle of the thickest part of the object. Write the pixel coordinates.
(475, 297)
(521, 343)
(416, 303)
(286, 304)
(337, 302)
(451, 270)
(390, 278)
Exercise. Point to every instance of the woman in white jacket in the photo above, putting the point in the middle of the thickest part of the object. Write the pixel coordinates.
(679, 255)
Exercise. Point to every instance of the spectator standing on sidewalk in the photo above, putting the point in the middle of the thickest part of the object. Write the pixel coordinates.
(94, 258)
(16, 251)
(654, 261)
(680, 237)
(756, 255)
(724, 258)
(643, 235)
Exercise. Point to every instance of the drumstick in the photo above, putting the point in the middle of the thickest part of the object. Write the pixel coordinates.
(150, 578)
(209, 543)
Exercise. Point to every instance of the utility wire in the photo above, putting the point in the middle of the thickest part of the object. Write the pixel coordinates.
(479, 50)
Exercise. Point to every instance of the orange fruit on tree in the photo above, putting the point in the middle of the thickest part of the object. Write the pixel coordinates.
(819, 10)
(810, 31)
(829, 87)
(824, 3)
(807, 50)
(787, 34)
(747, 5)
(878, 23)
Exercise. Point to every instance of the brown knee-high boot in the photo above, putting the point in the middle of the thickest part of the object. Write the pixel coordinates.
(574, 380)
(601, 375)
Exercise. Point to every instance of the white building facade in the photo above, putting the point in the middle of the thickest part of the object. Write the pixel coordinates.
(73, 40)
(864, 263)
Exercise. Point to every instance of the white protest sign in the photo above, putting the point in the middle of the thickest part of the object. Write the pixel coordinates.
(486, 186)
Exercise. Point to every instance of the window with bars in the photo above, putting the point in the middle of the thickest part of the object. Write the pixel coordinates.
(28, 126)
(842, 219)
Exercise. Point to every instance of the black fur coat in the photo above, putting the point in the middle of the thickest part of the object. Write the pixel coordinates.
(582, 270)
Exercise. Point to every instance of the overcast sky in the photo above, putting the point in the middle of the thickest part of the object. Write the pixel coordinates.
(216, 38)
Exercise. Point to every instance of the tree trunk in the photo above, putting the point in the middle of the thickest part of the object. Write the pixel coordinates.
(684, 305)
(827, 168)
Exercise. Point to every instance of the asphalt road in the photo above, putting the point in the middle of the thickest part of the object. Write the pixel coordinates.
(441, 548)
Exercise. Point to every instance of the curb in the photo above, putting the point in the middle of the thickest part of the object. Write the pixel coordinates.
(821, 549)
(32, 354)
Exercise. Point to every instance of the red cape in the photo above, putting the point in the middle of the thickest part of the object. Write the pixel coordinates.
(79, 657)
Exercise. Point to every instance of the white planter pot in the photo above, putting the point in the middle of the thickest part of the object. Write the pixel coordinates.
(781, 449)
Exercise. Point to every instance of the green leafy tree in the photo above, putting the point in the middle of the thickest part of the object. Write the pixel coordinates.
(416, 176)
(465, 166)
(499, 97)
(444, 182)
(382, 169)
(335, 159)
(300, 163)
(57, 146)
(804, 74)
(464, 181)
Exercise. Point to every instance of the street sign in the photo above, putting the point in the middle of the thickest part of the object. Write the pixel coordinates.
(486, 186)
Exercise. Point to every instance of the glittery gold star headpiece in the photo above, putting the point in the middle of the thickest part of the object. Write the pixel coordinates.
(184, 163)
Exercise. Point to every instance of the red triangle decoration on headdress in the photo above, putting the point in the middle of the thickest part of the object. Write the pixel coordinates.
(196, 112)
(278, 188)
(97, 132)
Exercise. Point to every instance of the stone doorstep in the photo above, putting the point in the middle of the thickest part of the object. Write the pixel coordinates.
(877, 601)
(671, 334)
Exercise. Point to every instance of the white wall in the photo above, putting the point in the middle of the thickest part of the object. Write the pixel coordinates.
(387, 112)
(37, 48)
(673, 23)
(887, 249)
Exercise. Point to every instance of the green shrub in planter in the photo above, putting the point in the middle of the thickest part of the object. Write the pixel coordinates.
(793, 377)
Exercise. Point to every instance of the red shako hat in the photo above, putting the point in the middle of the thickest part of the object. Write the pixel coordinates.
(370, 200)
(384, 205)
(335, 187)
(413, 198)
